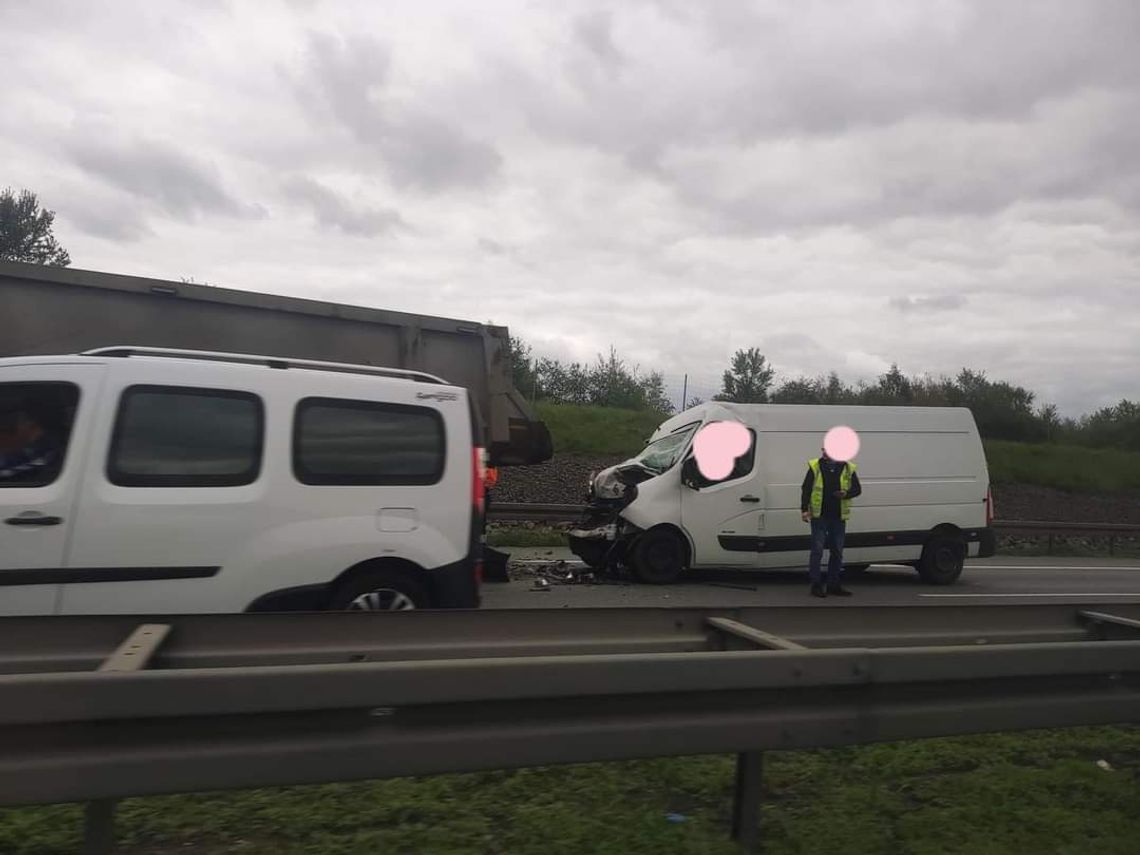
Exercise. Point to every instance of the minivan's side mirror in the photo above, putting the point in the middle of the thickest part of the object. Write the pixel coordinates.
(690, 474)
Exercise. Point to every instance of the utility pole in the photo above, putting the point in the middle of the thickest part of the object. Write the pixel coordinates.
(685, 394)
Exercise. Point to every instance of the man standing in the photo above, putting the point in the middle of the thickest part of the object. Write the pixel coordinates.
(825, 502)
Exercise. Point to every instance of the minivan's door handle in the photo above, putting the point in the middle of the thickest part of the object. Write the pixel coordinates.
(38, 519)
(753, 499)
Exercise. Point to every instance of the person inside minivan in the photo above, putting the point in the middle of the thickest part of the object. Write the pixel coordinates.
(30, 454)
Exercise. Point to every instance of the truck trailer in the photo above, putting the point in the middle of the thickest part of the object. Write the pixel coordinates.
(50, 310)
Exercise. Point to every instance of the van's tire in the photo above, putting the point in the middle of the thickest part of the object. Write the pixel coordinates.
(658, 557)
(942, 559)
(380, 590)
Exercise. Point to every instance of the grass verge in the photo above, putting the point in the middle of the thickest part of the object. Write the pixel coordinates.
(1066, 467)
(598, 430)
(517, 535)
(1039, 792)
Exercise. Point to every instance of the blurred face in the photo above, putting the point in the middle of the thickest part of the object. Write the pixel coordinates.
(16, 429)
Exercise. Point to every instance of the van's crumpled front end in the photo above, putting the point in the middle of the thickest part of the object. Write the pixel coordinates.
(599, 538)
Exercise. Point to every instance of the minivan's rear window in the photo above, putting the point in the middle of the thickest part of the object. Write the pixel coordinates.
(347, 442)
(174, 436)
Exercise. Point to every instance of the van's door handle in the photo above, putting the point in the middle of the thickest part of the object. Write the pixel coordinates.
(33, 519)
(753, 499)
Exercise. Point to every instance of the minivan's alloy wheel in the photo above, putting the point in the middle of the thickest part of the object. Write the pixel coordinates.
(381, 589)
(382, 600)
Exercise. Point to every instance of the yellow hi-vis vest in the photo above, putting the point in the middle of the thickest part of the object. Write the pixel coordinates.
(817, 488)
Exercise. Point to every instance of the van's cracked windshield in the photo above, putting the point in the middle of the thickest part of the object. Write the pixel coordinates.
(532, 427)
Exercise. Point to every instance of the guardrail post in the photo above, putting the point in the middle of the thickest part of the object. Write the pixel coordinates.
(99, 827)
(746, 801)
(1049, 547)
(1112, 544)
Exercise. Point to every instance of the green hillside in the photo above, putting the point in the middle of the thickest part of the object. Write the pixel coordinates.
(607, 430)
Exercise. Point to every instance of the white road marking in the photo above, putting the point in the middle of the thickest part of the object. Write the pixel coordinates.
(1049, 567)
(1081, 594)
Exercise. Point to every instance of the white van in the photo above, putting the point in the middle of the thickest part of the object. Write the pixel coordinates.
(926, 499)
(145, 480)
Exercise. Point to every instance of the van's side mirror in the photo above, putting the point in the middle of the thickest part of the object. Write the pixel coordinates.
(690, 474)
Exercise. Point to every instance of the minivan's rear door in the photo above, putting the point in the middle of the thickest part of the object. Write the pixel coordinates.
(45, 416)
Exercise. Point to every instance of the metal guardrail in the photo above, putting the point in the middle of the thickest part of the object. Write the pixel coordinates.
(540, 512)
(98, 708)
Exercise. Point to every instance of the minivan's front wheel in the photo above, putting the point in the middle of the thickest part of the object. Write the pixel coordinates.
(658, 557)
(379, 591)
(942, 559)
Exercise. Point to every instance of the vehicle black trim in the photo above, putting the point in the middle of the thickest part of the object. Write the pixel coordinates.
(76, 575)
(853, 540)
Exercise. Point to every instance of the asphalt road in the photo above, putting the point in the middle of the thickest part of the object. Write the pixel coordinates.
(988, 580)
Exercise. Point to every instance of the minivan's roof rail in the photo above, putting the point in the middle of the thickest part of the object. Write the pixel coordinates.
(269, 361)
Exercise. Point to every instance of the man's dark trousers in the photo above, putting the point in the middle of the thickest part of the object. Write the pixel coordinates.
(830, 532)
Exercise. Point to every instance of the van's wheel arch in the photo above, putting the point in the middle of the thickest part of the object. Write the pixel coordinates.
(943, 556)
(380, 585)
(659, 556)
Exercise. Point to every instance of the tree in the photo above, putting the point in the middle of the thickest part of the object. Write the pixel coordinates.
(653, 391)
(748, 380)
(522, 368)
(25, 231)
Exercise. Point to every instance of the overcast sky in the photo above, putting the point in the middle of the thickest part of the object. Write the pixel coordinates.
(941, 184)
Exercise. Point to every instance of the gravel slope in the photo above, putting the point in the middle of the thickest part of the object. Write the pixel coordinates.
(563, 480)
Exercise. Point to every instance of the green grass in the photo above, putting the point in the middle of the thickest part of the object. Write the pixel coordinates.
(517, 535)
(598, 430)
(1038, 792)
(1067, 467)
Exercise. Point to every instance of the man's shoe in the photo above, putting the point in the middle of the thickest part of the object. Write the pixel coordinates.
(838, 591)
(817, 591)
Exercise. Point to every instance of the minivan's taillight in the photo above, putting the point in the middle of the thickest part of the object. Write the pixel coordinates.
(989, 507)
(478, 480)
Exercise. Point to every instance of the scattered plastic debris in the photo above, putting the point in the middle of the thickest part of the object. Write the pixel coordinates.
(676, 817)
(1104, 764)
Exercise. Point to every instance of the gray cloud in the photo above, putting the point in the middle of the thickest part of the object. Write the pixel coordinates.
(119, 223)
(347, 78)
(943, 303)
(594, 31)
(333, 212)
(175, 182)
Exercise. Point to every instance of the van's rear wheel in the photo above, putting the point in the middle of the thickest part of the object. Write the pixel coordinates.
(942, 559)
(658, 557)
(380, 591)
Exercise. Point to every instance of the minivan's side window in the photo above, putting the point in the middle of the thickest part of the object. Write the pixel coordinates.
(35, 428)
(174, 436)
(337, 441)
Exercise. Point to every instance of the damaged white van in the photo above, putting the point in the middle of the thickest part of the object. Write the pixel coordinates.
(926, 498)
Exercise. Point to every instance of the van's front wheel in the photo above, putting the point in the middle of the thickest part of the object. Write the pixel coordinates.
(379, 591)
(942, 559)
(658, 557)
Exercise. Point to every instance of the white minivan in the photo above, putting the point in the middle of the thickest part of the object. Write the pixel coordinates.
(926, 497)
(145, 480)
